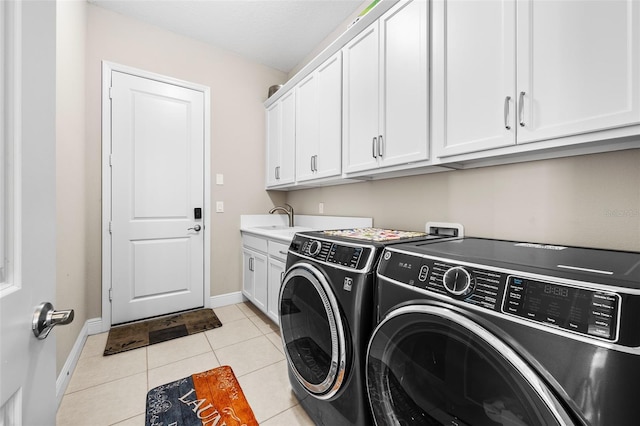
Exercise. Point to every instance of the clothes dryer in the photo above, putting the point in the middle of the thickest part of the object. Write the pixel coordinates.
(326, 309)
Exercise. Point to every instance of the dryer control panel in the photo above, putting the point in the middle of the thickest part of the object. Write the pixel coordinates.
(350, 256)
(575, 307)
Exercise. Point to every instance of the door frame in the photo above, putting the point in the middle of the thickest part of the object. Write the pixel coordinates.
(107, 69)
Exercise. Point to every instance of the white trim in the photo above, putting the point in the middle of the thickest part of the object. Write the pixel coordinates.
(70, 365)
(11, 126)
(227, 299)
(94, 326)
(107, 69)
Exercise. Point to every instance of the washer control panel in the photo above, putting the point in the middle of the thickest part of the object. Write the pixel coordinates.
(580, 310)
(345, 255)
(577, 308)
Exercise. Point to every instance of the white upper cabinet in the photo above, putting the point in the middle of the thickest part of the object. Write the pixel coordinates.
(361, 101)
(575, 69)
(281, 139)
(385, 94)
(319, 122)
(474, 70)
(578, 67)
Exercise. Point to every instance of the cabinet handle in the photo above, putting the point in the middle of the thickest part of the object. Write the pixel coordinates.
(315, 163)
(507, 102)
(312, 162)
(281, 277)
(251, 264)
(521, 109)
(374, 147)
(278, 172)
(380, 146)
(282, 252)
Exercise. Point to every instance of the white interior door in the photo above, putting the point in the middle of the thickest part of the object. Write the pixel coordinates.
(27, 210)
(157, 171)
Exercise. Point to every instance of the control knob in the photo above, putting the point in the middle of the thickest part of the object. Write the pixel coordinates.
(314, 248)
(458, 281)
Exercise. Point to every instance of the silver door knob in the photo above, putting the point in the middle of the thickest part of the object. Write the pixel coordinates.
(45, 318)
(196, 228)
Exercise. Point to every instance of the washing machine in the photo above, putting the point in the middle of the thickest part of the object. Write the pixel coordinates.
(326, 312)
(486, 332)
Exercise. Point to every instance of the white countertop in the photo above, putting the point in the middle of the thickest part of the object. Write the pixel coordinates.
(275, 226)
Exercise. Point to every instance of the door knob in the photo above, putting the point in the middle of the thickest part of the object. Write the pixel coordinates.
(196, 228)
(45, 318)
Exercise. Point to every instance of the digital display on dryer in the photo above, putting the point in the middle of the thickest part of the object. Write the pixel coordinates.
(344, 255)
(584, 311)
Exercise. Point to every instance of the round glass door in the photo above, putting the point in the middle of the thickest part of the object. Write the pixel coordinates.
(312, 331)
(428, 365)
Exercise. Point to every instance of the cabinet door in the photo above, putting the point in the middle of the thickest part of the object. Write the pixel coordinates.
(260, 281)
(473, 75)
(578, 66)
(360, 101)
(276, 272)
(273, 143)
(328, 161)
(248, 287)
(288, 139)
(307, 127)
(404, 70)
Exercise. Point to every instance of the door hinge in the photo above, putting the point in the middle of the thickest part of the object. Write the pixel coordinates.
(111, 92)
(110, 160)
(110, 227)
(110, 294)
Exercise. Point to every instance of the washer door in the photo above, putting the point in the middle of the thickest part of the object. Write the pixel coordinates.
(312, 330)
(428, 365)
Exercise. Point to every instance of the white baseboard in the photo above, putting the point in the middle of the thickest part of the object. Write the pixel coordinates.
(95, 326)
(227, 299)
(72, 360)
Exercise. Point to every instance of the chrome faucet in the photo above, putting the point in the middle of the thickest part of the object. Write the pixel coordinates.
(288, 211)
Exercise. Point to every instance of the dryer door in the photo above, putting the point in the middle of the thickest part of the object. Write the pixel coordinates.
(312, 330)
(428, 365)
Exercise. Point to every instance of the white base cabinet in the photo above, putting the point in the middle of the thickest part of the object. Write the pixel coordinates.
(263, 265)
(276, 269)
(254, 277)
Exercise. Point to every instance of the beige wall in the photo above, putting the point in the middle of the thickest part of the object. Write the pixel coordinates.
(337, 32)
(71, 245)
(238, 90)
(87, 35)
(591, 200)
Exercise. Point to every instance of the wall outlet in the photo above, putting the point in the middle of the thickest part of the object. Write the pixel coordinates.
(219, 206)
(219, 179)
(321, 208)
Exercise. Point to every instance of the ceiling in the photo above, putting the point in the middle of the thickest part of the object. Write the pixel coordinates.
(276, 33)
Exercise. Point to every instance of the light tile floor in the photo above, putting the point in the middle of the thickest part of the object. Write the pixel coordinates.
(112, 390)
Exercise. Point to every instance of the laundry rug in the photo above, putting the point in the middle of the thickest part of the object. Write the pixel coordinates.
(204, 399)
(137, 335)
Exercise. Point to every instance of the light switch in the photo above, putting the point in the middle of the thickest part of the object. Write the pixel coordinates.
(219, 179)
(219, 206)
(320, 208)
